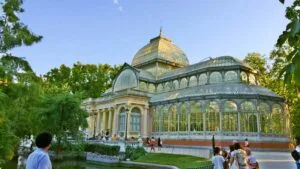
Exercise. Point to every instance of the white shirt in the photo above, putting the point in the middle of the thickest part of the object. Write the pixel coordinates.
(218, 161)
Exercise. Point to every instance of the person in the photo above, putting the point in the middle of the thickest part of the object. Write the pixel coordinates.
(140, 140)
(107, 134)
(225, 156)
(159, 143)
(218, 160)
(246, 143)
(250, 160)
(238, 157)
(295, 152)
(39, 159)
(152, 144)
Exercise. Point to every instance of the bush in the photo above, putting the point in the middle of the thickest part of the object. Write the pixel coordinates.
(102, 149)
(67, 147)
(134, 153)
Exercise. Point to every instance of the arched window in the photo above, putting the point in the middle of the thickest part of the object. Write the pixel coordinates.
(159, 88)
(122, 119)
(215, 77)
(196, 118)
(173, 118)
(277, 119)
(252, 79)
(126, 79)
(167, 87)
(212, 117)
(230, 117)
(231, 76)
(183, 83)
(155, 120)
(265, 117)
(164, 113)
(151, 88)
(244, 77)
(176, 84)
(143, 86)
(248, 117)
(193, 81)
(202, 79)
(183, 118)
(135, 119)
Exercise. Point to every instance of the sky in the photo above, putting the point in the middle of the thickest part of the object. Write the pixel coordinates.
(112, 31)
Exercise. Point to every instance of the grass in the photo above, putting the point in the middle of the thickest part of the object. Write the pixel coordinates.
(180, 161)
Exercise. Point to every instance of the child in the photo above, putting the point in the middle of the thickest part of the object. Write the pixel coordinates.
(218, 160)
(152, 144)
(251, 161)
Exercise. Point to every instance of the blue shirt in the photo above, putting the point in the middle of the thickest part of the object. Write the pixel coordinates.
(39, 159)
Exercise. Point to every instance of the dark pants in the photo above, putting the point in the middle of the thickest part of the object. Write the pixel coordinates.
(298, 165)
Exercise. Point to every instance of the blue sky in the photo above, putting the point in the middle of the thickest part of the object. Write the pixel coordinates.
(112, 31)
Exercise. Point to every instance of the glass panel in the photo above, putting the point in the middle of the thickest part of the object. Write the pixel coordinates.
(277, 119)
(165, 119)
(167, 87)
(143, 86)
(126, 79)
(176, 84)
(155, 120)
(173, 118)
(247, 113)
(183, 120)
(215, 77)
(212, 117)
(122, 117)
(196, 120)
(252, 79)
(231, 76)
(244, 77)
(202, 79)
(183, 83)
(230, 117)
(193, 81)
(265, 118)
(135, 119)
(159, 88)
(151, 88)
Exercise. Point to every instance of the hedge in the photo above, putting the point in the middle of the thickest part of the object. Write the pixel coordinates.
(102, 149)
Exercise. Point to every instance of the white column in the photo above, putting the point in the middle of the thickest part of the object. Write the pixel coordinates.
(104, 121)
(144, 124)
(98, 123)
(115, 121)
(109, 119)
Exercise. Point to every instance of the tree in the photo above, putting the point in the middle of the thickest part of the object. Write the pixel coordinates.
(13, 32)
(61, 113)
(16, 85)
(88, 79)
(291, 37)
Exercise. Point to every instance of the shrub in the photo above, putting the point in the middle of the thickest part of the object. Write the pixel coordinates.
(102, 149)
(134, 153)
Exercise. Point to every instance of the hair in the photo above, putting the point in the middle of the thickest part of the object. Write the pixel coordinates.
(237, 146)
(43, 140)
(231, 148)
(248, 151)
(217, 150)
(297, 140)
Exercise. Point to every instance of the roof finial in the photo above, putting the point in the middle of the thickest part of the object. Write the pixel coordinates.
(160, 31)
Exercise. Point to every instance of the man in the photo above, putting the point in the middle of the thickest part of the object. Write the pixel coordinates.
(39, 159)
(295, 151)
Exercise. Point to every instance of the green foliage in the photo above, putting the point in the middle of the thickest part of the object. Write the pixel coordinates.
(61, 113)
(90, 80)
(291, 37)
(13, 32)
(102, 149)
(134, 153)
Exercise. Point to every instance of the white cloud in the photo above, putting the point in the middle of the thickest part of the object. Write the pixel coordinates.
(116, 2)
(120, 8)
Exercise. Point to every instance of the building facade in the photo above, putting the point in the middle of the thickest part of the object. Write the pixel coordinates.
(160, 94)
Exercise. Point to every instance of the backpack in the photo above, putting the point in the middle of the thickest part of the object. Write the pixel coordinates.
(295, 155)
(241, 157)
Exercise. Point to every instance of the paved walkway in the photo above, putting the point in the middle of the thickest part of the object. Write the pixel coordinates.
(266, 159)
